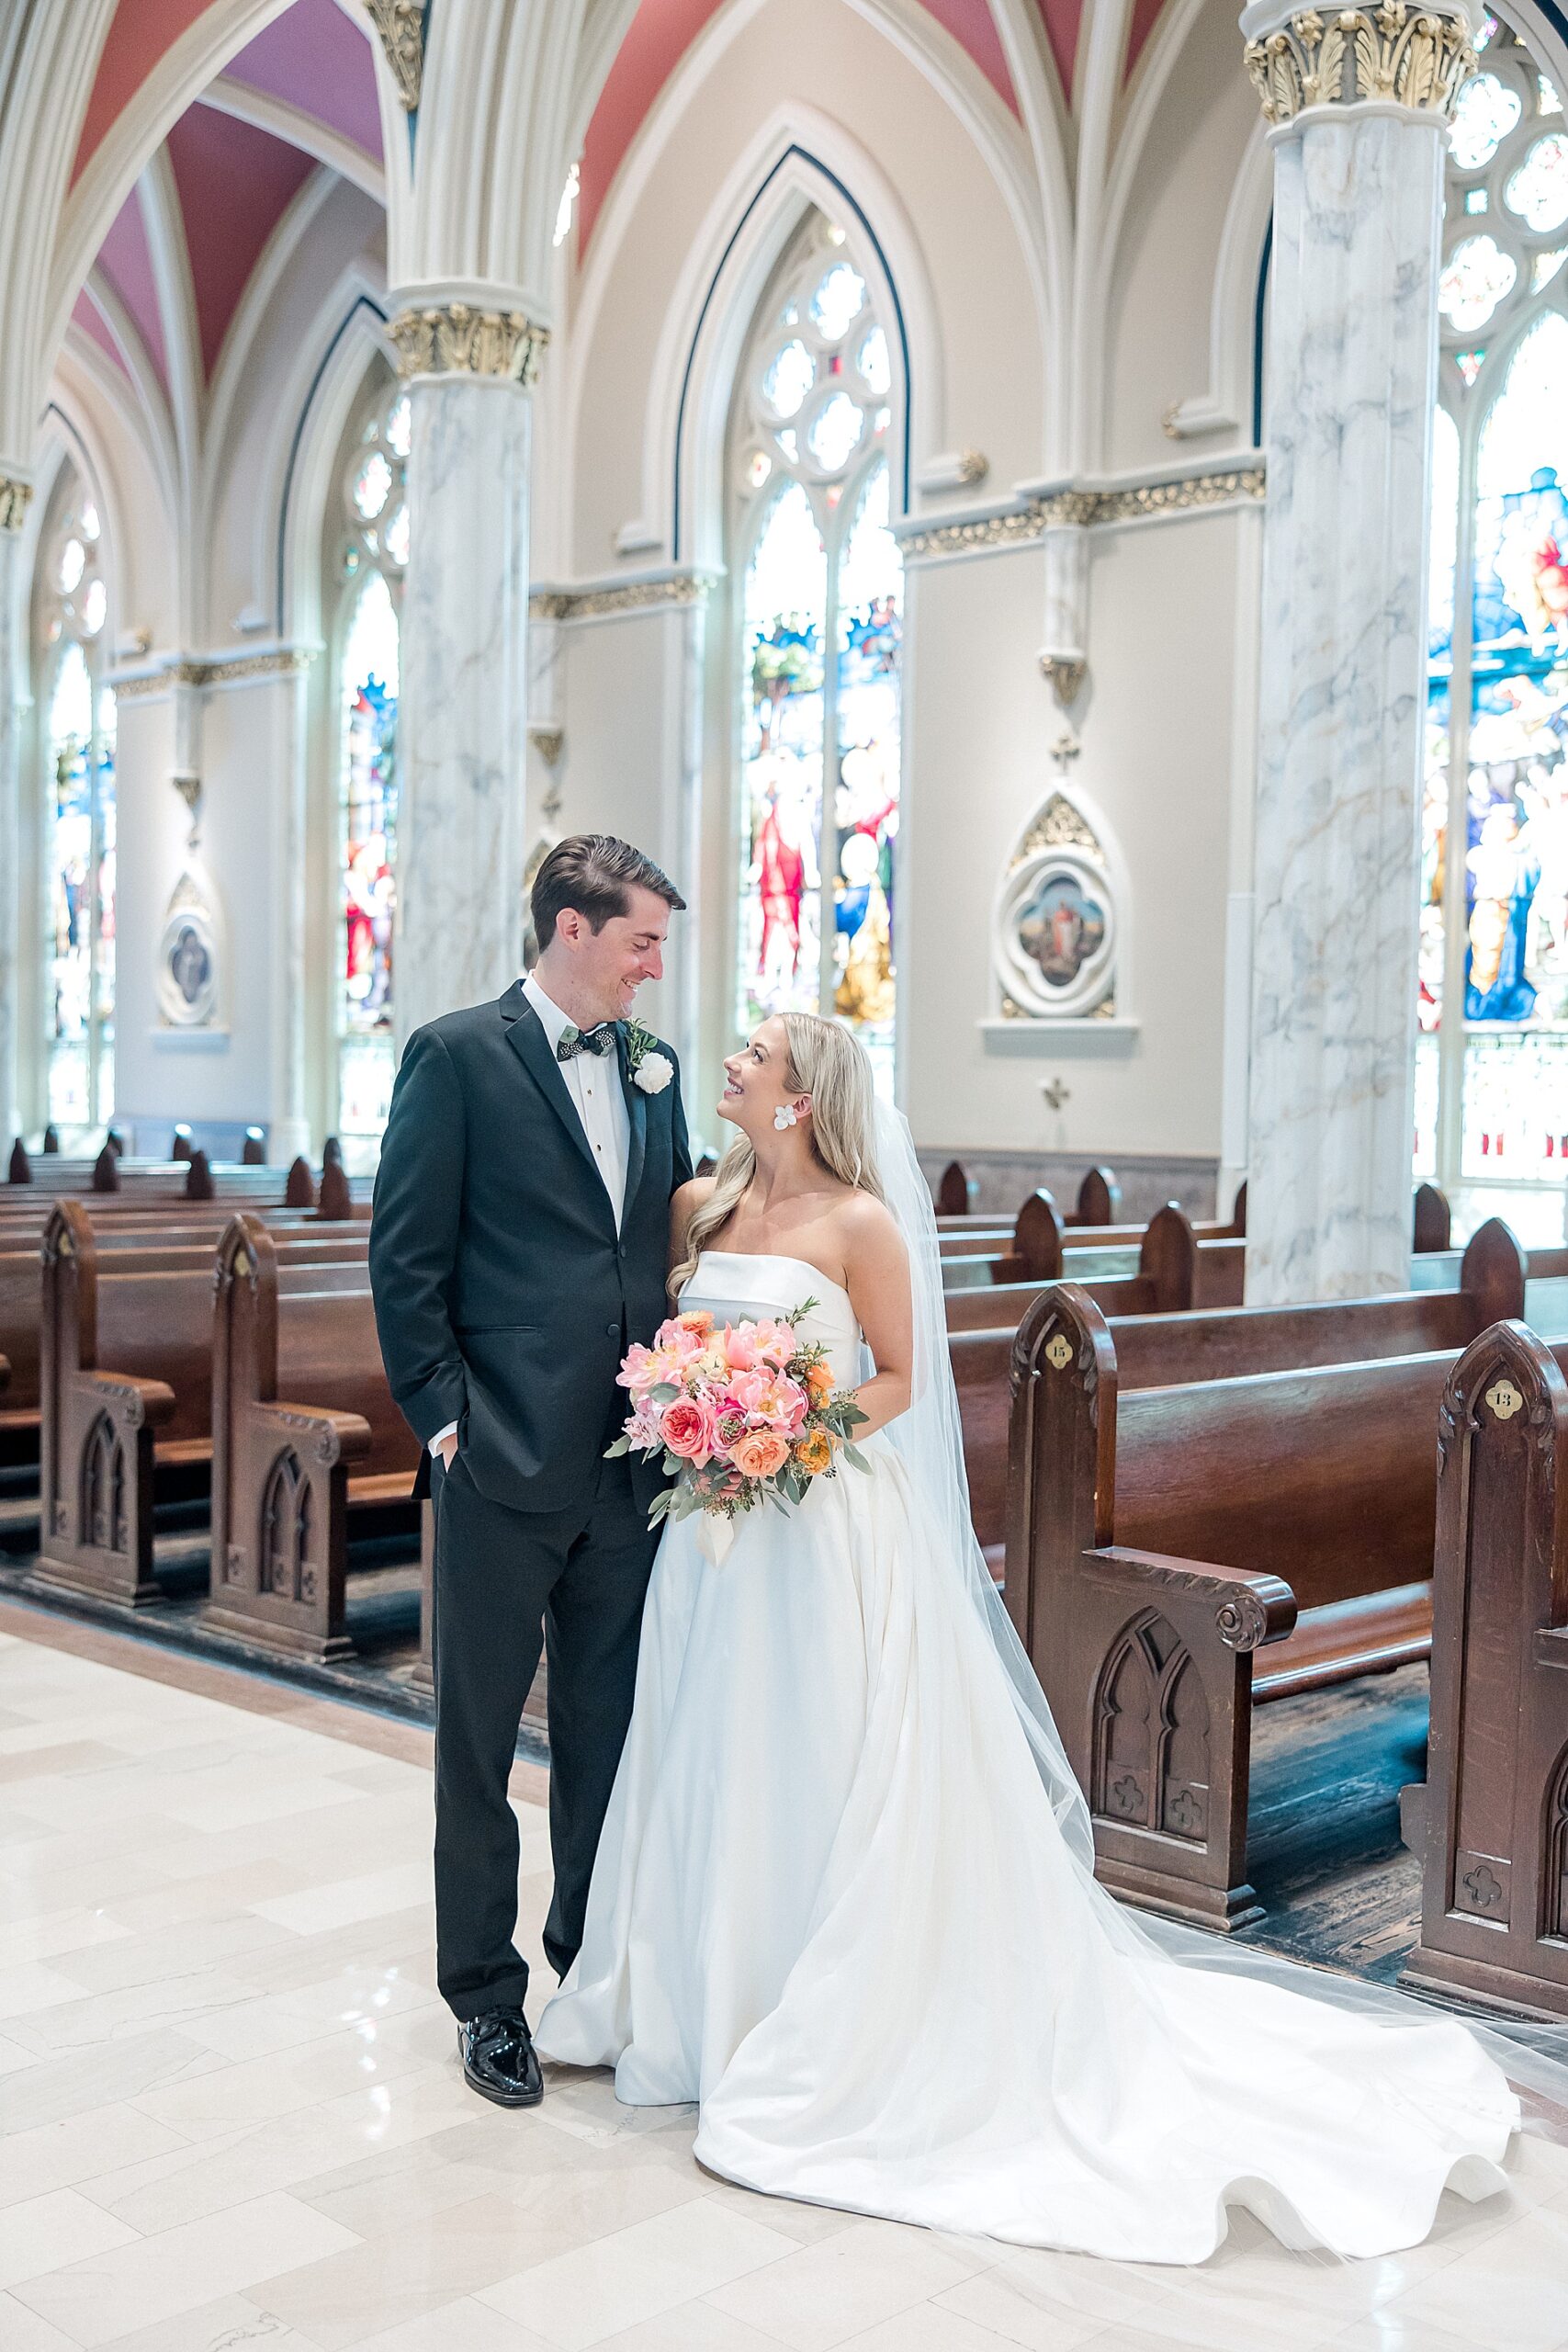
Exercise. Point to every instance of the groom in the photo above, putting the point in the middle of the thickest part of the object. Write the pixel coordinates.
(518, 1245)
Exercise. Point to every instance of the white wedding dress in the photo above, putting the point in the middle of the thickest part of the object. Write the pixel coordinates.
(834, 1904)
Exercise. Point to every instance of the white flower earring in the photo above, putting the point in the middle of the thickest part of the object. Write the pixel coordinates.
(785, 1115)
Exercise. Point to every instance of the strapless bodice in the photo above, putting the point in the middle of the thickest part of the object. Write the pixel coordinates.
(736, 1286)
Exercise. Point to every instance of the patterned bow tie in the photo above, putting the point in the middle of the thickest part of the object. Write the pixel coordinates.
(601, 1040)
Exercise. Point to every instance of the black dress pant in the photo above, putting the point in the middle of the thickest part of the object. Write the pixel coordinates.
(506, 1582)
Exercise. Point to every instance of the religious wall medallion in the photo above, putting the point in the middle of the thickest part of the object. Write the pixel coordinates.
(188, 958)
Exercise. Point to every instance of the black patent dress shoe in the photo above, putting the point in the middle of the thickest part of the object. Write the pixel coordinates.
(499, 2060)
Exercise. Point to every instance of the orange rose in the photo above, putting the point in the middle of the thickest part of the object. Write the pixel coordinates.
(815, 1452)
(819, 1380)
(696, 1319)
(761, 1453)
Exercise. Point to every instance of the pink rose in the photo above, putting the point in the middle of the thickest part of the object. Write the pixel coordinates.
(687, 1430)
(730, 1420)
(761, 1453)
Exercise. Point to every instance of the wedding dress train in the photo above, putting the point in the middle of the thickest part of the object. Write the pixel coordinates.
(834, 1905)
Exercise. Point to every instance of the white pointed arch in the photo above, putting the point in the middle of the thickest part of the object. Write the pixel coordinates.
(798, 159)
(297, 478)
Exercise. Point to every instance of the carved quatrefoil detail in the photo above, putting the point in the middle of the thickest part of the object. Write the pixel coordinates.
(1059, 1351)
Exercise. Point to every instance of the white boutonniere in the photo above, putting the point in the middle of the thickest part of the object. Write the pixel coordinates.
(651, 1070)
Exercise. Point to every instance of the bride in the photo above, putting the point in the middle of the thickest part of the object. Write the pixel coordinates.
(844, 1898)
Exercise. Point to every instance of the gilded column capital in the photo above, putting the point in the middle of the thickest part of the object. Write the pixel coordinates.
(15, 497)
(455, 339)
(1417, 59)
(400, 25)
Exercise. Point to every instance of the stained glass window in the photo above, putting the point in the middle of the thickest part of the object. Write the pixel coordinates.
(79, 800)
(821, 625)
(375, 554)
(1492, 1077)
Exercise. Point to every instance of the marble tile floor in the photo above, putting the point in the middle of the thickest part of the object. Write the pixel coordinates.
(231, 2111)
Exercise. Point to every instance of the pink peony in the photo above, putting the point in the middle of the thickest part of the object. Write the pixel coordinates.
(748, 1389)
(784, 1405)
(687, 1430)
(761, 1453)
(775, 1342)
(739, 1348)
(638, 1373)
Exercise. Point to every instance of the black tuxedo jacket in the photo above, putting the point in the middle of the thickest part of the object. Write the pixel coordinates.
(504, 1296)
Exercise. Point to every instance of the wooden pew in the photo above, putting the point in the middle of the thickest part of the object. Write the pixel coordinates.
(1159, 1541)
(1166, 1277)
(299, 1396)
(125, 1390)
(1490, 1825)
(1100, 1200)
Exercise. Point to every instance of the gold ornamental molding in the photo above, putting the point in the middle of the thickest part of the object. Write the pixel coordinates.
(1417, 57)
(238, 669)
(15, 497)
(455, 340)
(628, 597)
(400, 25)
(1083, 510)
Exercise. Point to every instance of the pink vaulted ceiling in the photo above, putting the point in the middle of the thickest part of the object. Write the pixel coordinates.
(319, 60)
(235, 184)
(662, 32)
(127, 263)
(313, 55)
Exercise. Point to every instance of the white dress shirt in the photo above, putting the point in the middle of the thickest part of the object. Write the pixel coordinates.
(593, 1082)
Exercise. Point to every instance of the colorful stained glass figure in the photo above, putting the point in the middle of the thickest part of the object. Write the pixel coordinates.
(836, 432)
(1538, 191)
(82, 899)
(369, 851)
(1478, 277)
(1485, 113)
(838, 301)
(820, 668)
(373, 486)
(1491, 1084)
(785, 625)
(789, 380)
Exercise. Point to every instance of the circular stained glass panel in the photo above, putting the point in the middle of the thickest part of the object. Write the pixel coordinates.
(1538, 191)
(372, 485)
(836, 432)
(1485, 113)
(837, 300)
(73, 564)
(1478, 276)
(787, 382)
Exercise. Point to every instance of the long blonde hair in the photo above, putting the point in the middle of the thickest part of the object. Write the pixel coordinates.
(826, 1062)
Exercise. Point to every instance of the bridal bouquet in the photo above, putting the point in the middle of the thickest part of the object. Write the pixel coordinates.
(743, 1415)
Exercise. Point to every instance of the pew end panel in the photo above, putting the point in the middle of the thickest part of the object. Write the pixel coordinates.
(1166, 1668)
(1100, 1199)
(957, 1192)
(279, 1473)
(1491, 1824)
(1037, 1242)
(96, 1434)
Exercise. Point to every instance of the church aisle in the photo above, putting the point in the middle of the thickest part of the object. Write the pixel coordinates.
(229, 2106)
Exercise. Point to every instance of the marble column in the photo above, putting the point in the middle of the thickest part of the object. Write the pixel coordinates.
(462, 711)
(14, 496)
(1358, 101)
